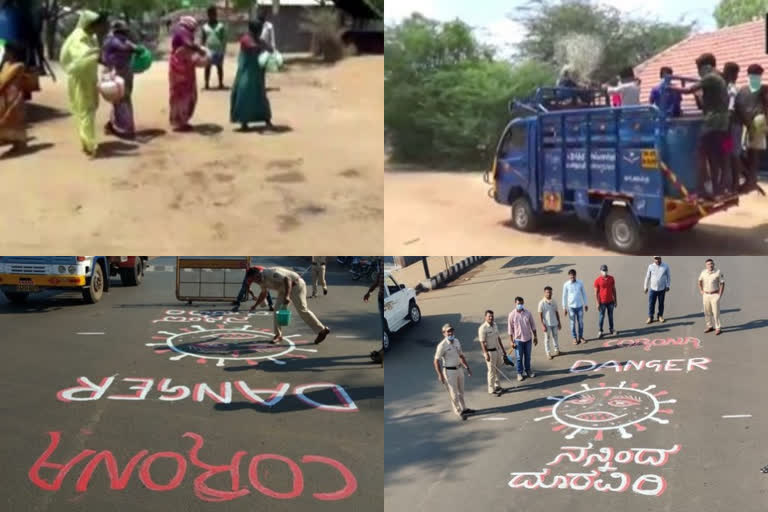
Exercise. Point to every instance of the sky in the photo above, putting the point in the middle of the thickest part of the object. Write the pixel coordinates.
(494, 26)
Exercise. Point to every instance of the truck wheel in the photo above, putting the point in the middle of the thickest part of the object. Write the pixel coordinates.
(623, 232)
(523, 217)
(93, 293)
(17, 297)
(132, 276)
(414, 313)
(385, 339)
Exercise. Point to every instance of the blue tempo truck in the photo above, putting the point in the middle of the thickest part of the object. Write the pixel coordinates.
(620, 168)
(22, 275)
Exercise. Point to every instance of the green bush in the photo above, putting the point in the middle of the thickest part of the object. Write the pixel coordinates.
(445, 95)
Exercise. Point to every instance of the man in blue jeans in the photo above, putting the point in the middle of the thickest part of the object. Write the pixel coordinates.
(574, 305)
(245, 289)
(522, 330)
(658, 280)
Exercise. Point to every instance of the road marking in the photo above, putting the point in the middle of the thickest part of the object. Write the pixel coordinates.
(493, 419)
(89, 333)
(737, 416)
(347, 337)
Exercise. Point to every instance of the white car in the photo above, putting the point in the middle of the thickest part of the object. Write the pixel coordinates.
(400, 308)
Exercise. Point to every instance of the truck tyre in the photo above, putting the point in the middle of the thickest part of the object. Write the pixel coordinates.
(132, 276)
(523, 217)
(414, 313)
(95, 290)
(385, 338)
(16, 297)
(623, 232)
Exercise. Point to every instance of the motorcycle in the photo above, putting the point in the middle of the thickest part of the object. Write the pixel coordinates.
(363, 268)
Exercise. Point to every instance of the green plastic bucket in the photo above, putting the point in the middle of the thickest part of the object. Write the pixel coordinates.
(142, 60)
(283, 317)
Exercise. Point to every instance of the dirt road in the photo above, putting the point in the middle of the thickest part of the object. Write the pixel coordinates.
(436, 213)
(216, 190)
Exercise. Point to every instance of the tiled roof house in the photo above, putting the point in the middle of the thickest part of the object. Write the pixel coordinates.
(743, 44)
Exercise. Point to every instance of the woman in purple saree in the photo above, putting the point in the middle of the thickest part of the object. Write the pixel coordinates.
(117, 52)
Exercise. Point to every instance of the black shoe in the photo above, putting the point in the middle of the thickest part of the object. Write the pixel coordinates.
(322, 335)
(376, 356)
(325, 292)
(236, 308)
(469, 411)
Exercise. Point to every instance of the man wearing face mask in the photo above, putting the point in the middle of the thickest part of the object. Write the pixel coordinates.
(493, 351)
(607, 300)
(658, 279)
(522, 330)
(450, 354)
(750, 111)
(715, 144)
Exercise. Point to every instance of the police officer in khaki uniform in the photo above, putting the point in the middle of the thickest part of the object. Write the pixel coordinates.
(493, 351)
(318, 275)
(289, 287)
(449, 353)
(712, 286)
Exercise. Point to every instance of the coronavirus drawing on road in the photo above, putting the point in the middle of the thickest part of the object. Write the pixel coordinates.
(226, 343)
(607, 408)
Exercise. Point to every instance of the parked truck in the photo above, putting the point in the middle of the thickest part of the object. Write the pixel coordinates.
(22, 275)
(625, 169)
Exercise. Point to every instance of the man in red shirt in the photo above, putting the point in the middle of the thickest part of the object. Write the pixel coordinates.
(607, 300)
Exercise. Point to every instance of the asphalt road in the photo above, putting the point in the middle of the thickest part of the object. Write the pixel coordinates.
(302, 430)
(695, 408)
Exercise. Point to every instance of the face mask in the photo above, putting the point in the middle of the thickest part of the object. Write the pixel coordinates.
(451, 337)
(666, 79)
(755, 81)
(519, 307)
(604, 272)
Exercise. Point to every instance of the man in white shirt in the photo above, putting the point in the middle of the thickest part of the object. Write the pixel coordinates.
(711, 287)
(449, 353)
(550, 321)
(574, 305)
(268, 32)
(658, 280)
(493, 351)
(628, 89)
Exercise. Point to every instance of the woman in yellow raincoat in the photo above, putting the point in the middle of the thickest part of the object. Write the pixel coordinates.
(80, 59)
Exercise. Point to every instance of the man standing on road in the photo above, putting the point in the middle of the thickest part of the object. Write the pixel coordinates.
(522, 330)
(289, 286)
(574, 305)
(449, 353)
(550, 322)
(245, 289)
(606, 298)
(318, 275)
(377, 356)
(711, 286)
(658, 279)
(493, 351)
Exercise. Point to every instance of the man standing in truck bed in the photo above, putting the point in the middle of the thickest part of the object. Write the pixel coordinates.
(715, 144)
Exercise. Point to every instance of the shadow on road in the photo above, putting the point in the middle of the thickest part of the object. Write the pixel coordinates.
(312, 364)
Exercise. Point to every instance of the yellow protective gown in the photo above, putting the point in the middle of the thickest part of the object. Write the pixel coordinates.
(80, 59)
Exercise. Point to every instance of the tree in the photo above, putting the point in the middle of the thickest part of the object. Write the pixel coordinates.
(626, 41)
(445, 97)
(733, 12)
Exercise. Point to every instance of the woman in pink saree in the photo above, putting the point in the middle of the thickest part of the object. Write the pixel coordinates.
(182, 73)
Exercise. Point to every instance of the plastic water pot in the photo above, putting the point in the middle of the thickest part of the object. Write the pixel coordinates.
(141, 60)
(283, 317)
